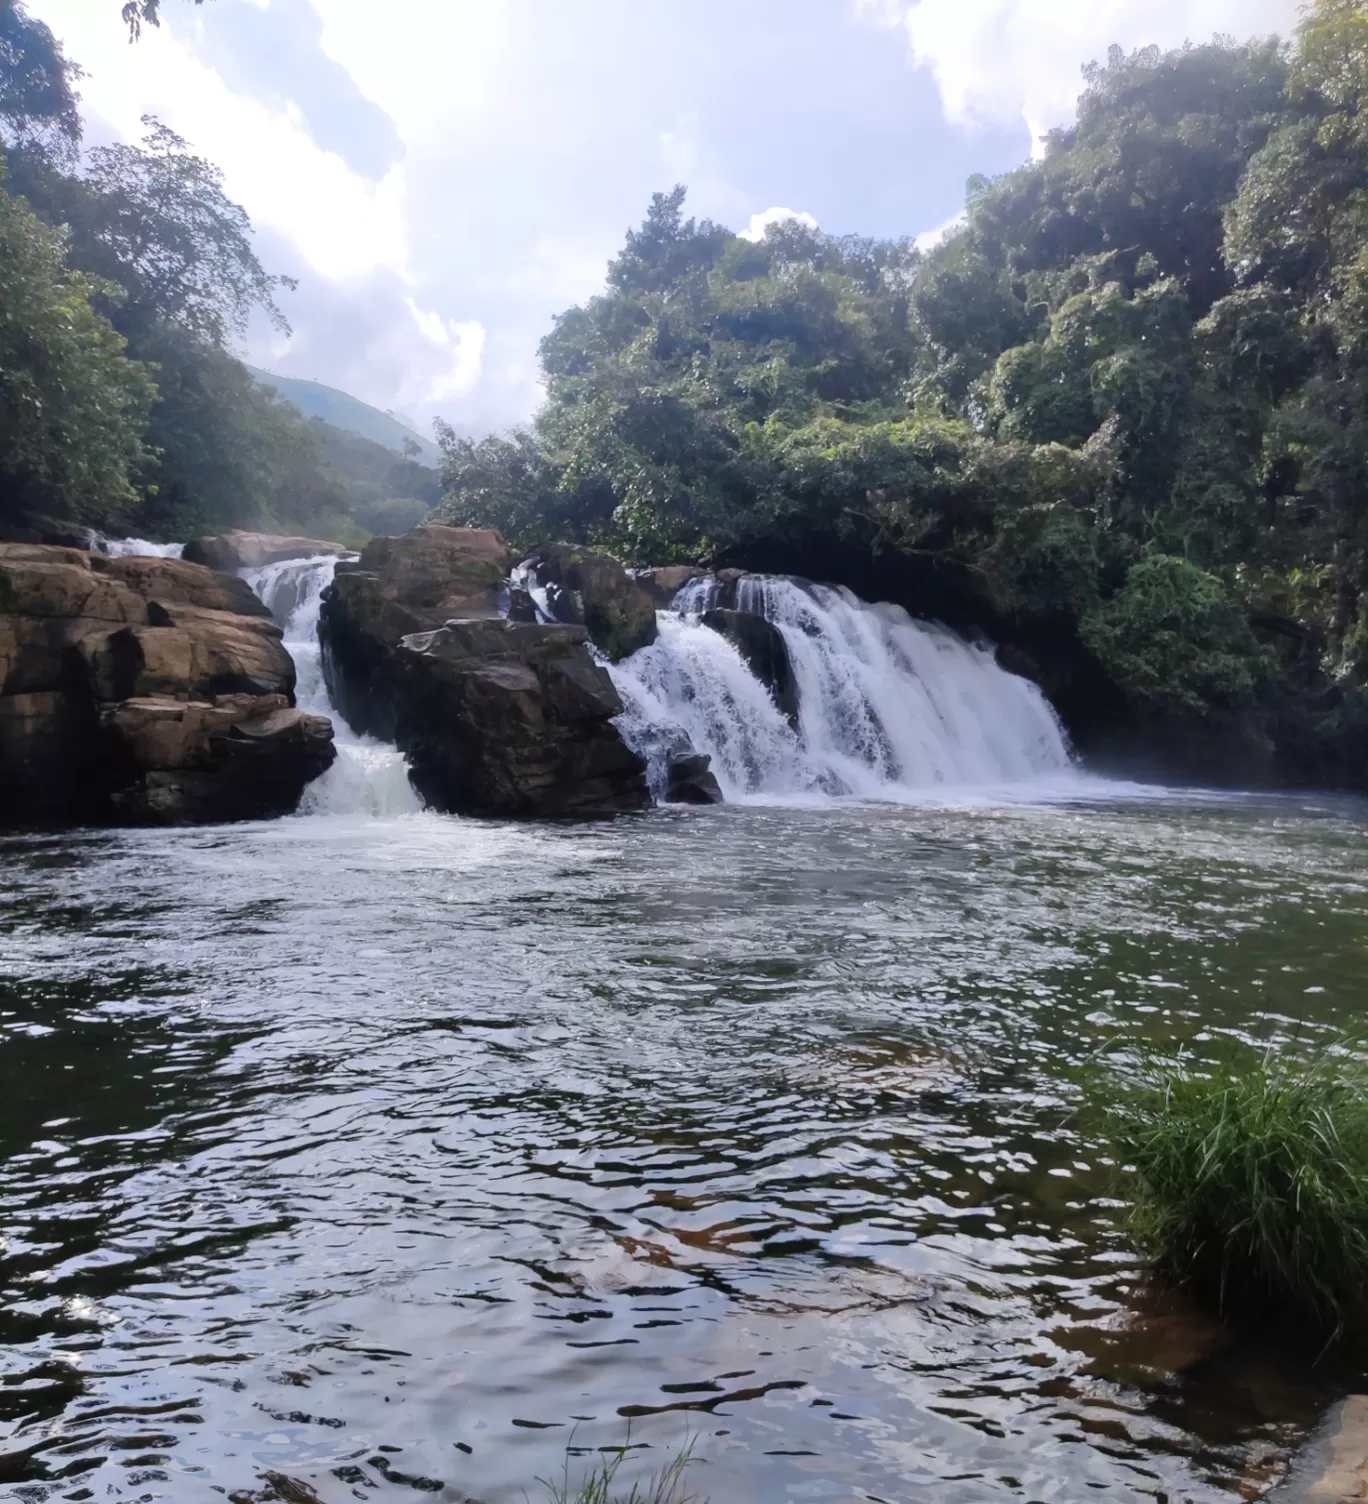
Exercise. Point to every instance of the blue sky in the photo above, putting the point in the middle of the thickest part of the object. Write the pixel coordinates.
(444, 181)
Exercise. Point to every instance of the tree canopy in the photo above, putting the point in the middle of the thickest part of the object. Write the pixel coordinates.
(1126, 398)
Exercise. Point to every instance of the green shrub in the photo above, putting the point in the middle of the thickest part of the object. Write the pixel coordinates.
(1174, 637)
(1248, 1180)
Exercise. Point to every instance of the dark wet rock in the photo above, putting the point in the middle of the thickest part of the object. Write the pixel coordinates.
(243, 550)
(691, 779)
(509, 718)
(596, 592)
(498, 715)
(521, 606)
(53, 531)
(762, 645)
(83, 637)
(398, 587)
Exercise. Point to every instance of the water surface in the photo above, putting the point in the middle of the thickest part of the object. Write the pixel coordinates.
(394, 1157)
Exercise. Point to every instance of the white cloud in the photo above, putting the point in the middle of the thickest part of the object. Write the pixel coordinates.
(463, 343)
(343, 225)
(764, 218)
(929, 239)
(997, 62)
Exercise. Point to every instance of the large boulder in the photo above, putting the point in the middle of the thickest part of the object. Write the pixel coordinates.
(236, 550)
(83, 637)
(510, 718)
(591, 590)
(176, 582)
(400, 586)
(762, 645)
(497, 715)
(239, 757)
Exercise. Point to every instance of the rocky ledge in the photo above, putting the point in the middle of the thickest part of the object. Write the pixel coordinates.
(496, 716)
(144, 691)
(240, 550)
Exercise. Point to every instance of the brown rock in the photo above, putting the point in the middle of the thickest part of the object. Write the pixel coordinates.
(665, 582)
(243, 550)
(238, 757)
(176, 582)
(113, 678)
(400, 586)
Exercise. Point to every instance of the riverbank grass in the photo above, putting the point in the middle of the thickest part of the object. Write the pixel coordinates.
(600, 1486)
(1248, 1181)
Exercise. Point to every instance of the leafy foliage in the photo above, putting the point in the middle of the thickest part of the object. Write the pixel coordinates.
(1174, 637)
(1128, 398)
(161, 254)
(1249, 1181)
(72, 405)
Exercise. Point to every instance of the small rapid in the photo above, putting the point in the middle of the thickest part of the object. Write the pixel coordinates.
(887, 706)
(369, 777)
(125, 548)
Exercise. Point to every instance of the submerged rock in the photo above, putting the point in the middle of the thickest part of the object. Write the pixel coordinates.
(497, 715)
(242, 550)
(593, 591)
(762, 645)
(117, 671)
(510, 718)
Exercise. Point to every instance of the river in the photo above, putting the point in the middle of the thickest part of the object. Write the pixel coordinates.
(397, 1156)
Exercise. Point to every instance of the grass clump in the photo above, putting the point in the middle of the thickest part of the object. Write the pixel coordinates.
(600, 1486)
(1248, 1180)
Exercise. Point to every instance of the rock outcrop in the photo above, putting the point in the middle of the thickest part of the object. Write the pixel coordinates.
(144, 690)
(690, 779)
(665, 581)
(510, 718)
(496, 716)
(243, 550)
(593, 591)
(762, 645)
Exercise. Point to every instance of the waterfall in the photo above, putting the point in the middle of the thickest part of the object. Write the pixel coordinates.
(369, 776)
(887, 706)
(122, 548)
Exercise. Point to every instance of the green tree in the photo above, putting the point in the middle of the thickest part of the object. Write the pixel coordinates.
(73, 407)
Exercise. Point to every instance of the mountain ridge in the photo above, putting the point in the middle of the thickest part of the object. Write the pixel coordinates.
(317, 400)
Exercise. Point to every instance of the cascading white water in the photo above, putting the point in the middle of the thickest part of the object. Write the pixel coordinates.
(887, 706)
(123, 548)
(369, 776)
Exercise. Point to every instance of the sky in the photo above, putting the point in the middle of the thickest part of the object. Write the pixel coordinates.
(443, 177)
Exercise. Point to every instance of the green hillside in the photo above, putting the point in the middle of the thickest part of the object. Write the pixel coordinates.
(315, 400)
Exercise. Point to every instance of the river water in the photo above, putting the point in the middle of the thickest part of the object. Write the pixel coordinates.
(400, 1158)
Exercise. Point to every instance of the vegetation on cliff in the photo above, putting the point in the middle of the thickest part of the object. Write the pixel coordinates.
(1125, 401)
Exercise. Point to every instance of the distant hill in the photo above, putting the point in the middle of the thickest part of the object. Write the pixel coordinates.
(315, 400)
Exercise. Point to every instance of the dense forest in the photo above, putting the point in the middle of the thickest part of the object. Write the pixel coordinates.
(1119, 418)
(126, 276)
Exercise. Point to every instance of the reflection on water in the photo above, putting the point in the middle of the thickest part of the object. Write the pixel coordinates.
(393, 1157)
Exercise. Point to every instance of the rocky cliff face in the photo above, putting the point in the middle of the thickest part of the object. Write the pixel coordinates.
(144, 691)
(496, 716)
